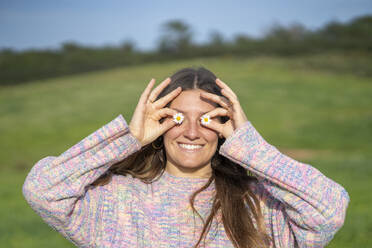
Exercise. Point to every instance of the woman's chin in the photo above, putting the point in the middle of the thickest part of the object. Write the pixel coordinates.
(190, 168)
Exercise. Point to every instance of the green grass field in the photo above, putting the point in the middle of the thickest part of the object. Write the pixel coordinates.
(314, 114)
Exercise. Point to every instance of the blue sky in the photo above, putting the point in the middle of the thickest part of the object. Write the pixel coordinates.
(47, 24)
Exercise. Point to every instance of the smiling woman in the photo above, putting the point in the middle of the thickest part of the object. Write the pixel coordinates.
(190, 170)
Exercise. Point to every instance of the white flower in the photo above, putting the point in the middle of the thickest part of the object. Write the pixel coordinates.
(205, 119)
(178, 118)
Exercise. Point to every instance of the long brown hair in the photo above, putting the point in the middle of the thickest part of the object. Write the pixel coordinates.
(239, 206)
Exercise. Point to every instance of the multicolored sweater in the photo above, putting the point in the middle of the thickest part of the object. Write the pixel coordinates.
(301, 206)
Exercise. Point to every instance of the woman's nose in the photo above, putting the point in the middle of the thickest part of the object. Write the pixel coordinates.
(192, 130)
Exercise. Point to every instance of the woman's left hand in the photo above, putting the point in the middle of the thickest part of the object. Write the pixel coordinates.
(230, 107)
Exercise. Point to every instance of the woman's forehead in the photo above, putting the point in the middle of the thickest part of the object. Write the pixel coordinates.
(190, 101)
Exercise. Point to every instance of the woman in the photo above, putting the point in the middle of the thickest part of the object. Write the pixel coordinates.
(189, 171)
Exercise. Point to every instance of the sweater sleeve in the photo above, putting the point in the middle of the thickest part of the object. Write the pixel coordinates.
(57, 188)
(303, 208)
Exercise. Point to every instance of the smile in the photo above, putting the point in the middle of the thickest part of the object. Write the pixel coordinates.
(190, 147)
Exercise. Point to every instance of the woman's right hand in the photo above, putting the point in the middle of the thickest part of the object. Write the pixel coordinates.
(145, 124)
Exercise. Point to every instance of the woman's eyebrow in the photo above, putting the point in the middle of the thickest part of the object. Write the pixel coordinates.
(202, 113)
(178, 110)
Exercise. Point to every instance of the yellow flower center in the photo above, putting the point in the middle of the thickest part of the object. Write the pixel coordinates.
(206, 119)
(178, 118)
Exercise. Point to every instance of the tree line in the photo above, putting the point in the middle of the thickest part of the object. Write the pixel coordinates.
(176, 42)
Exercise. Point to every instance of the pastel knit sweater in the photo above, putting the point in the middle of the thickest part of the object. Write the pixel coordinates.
(301, 206)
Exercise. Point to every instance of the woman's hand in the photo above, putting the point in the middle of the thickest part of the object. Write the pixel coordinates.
(145, 125)
(230, 107)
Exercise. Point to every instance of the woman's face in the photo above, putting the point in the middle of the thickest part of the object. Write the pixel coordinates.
(190, 146)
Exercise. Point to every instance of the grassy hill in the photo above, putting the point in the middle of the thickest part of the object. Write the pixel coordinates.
(314, 114)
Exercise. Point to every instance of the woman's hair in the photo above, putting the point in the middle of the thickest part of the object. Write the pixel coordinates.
(234, 198)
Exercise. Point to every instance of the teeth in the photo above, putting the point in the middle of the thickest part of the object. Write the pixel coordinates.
(190, 147)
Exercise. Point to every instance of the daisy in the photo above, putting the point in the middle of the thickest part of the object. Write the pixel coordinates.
(205, 119)
(178, 118)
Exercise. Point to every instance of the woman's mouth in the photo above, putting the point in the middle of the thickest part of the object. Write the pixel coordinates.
(190, 147)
